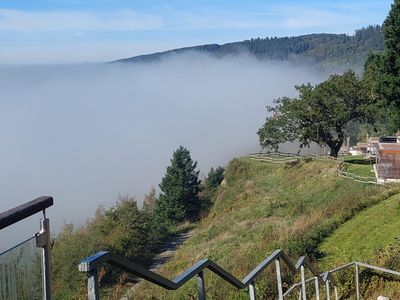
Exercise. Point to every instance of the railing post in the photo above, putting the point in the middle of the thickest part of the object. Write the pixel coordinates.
(93, 285)
(316, 288)
(336, 293)
(303, 284)
(279, 279)
(252, 294)
(43, 241)
(357, 284)
(328, 292)
(201, 287)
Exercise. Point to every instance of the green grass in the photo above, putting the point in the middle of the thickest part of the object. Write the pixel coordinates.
(360, 238)
(372, 236)
(359, 165)
(261, 207)
(361, 170)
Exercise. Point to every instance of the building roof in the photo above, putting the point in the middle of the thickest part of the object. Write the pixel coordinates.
(388, 139)
(391, 148)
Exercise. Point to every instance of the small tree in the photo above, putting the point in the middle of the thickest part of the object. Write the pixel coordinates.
(150, 201)
(320, 114)
(214, 178)
(180, 187)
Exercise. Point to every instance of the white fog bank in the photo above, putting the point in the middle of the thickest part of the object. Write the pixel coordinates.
(85, 134)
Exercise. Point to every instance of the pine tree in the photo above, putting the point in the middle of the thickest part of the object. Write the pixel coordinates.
(180, 187)
(390, 79)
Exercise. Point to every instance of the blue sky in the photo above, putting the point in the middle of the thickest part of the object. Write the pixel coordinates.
(60, 31)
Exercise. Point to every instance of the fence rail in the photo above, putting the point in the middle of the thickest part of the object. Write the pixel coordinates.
(327, 278)
(25, 210)
(286, 158)
(91, 264)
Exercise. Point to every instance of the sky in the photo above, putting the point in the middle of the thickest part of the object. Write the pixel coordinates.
(78, 31)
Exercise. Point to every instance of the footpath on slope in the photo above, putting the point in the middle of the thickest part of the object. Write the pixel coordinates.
(166, 252)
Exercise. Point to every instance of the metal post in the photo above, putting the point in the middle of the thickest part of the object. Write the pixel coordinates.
(252, 293)
(328, 293)
(201, 287)
(316, 288)
(336, 293)
(357, 284)
(303, 284)
(43, 241)
(279, 279)
(93, 285)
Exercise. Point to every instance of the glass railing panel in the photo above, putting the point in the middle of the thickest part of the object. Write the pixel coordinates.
(21, 272)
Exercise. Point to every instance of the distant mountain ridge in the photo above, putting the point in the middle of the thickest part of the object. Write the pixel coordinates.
(324, 50)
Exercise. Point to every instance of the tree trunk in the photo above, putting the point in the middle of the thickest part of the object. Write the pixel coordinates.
(335, 147)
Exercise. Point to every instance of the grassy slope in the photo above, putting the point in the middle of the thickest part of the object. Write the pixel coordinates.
(362, 236)
(262, 207)
(373, 237)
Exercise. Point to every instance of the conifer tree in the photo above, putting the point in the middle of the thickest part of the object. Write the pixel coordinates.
(180, 187)
(390, 80)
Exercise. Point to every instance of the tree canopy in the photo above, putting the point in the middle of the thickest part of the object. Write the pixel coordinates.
(382, 70)
(180, 187)
(319, 114)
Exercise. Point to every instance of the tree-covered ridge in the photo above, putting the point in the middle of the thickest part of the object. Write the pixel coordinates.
(322, 49)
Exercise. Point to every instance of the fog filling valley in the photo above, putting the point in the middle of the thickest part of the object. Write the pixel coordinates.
(85, 134)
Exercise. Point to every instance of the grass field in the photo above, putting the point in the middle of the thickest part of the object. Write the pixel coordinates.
(359, 165)
(261, 207)
(372, 236)
(364, 235)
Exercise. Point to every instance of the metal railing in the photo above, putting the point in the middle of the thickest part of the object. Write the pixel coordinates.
(328, 279)
(24, 211)
(91, 264)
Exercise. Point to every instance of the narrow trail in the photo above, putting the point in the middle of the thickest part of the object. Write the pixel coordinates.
(167, 250)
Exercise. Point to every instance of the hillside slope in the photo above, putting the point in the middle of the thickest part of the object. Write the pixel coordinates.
(372, 236)
(262, 207)
(323, 50)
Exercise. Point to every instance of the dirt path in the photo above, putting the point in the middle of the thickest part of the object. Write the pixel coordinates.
(166, 252)
(168, 248)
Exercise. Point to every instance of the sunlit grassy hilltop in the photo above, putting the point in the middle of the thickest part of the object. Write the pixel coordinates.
(261, 207)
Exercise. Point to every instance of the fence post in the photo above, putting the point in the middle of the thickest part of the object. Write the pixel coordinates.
(43, 241)
(93, 285)
(357, 284)
(336, 293)
(303, 284)
(279, 279)
(316, 288)
(201, 287)
(252, 293)
(328, 293)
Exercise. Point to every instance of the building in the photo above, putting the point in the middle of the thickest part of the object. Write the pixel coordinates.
(387, 167)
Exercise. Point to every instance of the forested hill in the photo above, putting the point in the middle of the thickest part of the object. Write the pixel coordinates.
(316, 49)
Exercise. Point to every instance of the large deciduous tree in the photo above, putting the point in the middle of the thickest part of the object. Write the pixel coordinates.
(319, 114)
(180, 187)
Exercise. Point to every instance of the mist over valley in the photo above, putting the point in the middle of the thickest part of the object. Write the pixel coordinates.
(85, 134)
